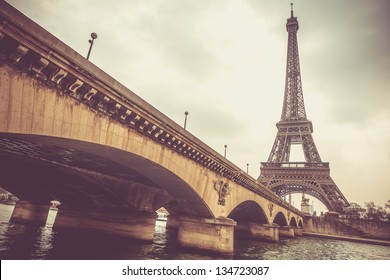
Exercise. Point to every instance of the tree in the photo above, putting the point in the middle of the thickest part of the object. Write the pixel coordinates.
(371, 211)
(354, 210)
(375, 212)
(387, 209)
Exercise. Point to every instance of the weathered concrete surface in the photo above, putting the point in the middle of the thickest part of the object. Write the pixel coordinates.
(173, 222)
(27, 213)
(208, 234)
(307, 223)
(349, 238)
(351, 227)
(268, 232)
(286, 231)
(373, 229)
(136, 225)
(298, 231)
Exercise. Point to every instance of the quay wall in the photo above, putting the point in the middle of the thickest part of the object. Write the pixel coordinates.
(351, 227)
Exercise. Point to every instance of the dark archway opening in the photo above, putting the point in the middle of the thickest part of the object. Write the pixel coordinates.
(245, 213)
(249, 211)
(280, 219)
(293, 222)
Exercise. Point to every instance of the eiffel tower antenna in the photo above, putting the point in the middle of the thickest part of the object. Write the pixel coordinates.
(311, 176)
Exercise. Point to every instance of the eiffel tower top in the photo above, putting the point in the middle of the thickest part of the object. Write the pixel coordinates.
(293, 104)
(292, 22)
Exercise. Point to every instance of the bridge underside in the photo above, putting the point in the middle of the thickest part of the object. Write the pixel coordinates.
(89, 176)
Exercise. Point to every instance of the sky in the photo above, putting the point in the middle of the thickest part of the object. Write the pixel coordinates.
(224, 62)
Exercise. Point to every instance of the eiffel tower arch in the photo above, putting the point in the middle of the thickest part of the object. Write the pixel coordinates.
(311, 176)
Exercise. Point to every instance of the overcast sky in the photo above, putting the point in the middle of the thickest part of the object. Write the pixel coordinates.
(224, 62)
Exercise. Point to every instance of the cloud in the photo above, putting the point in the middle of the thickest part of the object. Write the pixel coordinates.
(173, 31)
(351, 59)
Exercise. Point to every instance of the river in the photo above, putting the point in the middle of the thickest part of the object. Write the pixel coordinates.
(29, 242)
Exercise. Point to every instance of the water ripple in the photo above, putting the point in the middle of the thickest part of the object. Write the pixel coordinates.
(26, 242)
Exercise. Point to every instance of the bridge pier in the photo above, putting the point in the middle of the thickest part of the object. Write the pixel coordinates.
(138, 225)
(308, 223)
(269, 232)
(208, 234)
(173, 222)
(286, 231)
(297, 231)
(27, 213)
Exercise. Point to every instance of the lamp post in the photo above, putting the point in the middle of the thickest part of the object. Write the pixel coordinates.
(185, 119)
(225, 149)
(93, 36)
(247, 168)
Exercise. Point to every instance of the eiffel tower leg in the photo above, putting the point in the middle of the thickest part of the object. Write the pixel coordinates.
(309, 149)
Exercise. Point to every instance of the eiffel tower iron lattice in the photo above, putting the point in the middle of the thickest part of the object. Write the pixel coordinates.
(311, 176)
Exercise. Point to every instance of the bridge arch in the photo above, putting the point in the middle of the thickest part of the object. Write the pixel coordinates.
(249, 211)
(280, 219)
(293, 222)
(127, 180)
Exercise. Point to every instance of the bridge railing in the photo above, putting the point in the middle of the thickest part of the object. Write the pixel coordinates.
(27, 46)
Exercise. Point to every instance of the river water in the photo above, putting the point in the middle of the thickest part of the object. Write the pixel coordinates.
(28, 242)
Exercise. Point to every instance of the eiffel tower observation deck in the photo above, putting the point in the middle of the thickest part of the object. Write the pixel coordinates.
(311, 176)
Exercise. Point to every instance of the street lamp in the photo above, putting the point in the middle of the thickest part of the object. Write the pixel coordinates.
(185, 119)
(225, 149)
(93, 36)
(247, 168)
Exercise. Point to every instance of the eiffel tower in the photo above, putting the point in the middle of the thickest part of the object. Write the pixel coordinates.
(312, 176)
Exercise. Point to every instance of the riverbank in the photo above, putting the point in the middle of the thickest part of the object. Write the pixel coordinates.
(349, 238)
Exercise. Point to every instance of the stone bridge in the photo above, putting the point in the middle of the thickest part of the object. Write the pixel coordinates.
(70, 132)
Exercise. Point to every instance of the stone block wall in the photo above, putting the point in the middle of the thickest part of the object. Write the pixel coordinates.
(352, 227)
